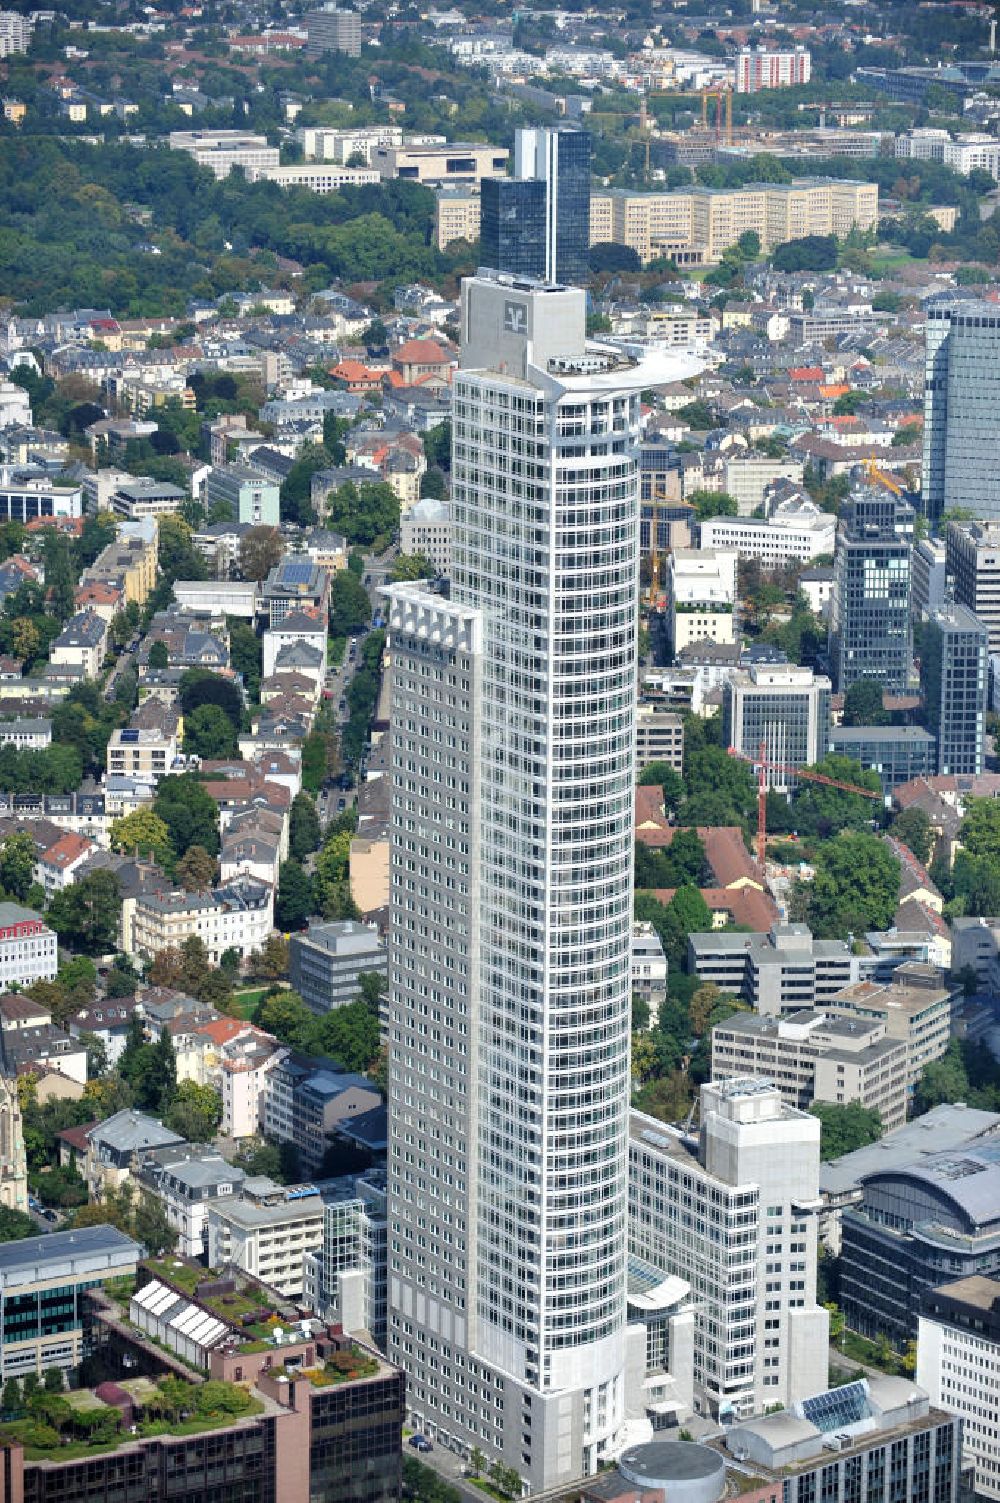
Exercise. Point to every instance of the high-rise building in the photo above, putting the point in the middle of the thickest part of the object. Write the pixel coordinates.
(958, 1362)
(973, 551)
(870, 634)
(928, 571)
(783, 707)
(537, 223)
(772, 68)
(732, 1212)
(513, 715)
(961, 400)
(953, 652)
(333, 30)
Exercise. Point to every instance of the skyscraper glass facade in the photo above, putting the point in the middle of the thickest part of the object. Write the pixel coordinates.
(513, 226)
(953, 655)
(870, 632)
(961, 401)
(537, 223)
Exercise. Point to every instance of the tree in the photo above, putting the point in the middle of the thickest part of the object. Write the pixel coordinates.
(863, 703)
(97, 1055)
(819, 809)
(855, 887)
(304, 828)
(410, 566)
(350, 607)
(142, 833)
(195, 1112)
(86, 915)
(437, 446)
(712, 504)
(261, 550)
(913, 828)
(749, 245)
(159, 657)
(944, 1079)
(320, 759)
(662, 775)
(200, 687)
(17, 866)
(294, 902)
(272, 961)
(209, 734)
(25, 638)
(845, 1127)
(190, 814)
(196, 869)
(809, 253)
(14, 1226)
(980, 829)
(364, 513)
(287, 1017)
(506, 1480)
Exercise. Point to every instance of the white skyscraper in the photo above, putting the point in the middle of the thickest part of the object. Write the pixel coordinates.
(513, 759)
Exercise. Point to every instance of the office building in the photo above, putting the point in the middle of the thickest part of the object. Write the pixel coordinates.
(318, 177)
(701, 597)
(780, 972)
(448, 164)
(27, 947)
(222, 150)
(973, 552)
(870, 631)
(346, 1278)
(326, 961)
(896, 752)
(732, 1212)
(659, 737)
(43, 1306)
(537, 223)
(932, 1218)
(958, 1363)
(425, 528)
(772, 68)
(307, 1101)
(457, 214)
(961, 467)
(513, 716)
(249, 496)
(803, 534)
(266, 1230)
(877, 1437)
(782, 708)
(812, 1057)
(915, 1007)
(928, 574)
(331, 30)
(953, 651)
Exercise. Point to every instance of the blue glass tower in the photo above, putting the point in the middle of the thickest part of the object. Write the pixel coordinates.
(537, 223)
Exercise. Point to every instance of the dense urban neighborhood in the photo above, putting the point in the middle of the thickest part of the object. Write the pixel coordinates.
(499, 767)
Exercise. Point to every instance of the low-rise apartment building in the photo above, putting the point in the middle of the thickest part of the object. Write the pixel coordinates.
(82, 643)
(306, 1101)
(116, 1146)
(238, 915)
(27, 947)
(251, 498)
(659, 737)
(457, 214)
(186, 1179)
(780, 972)
(267, 1231)
(811, 1057)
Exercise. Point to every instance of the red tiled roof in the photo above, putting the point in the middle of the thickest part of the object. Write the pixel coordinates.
(421, 352)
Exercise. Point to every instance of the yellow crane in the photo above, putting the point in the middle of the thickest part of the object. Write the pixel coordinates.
(879, 477)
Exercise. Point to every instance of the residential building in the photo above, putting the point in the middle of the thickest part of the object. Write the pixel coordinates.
(82, 644)
(896, 752)
(15, 32)
(44, 1308)
(537, 223)
(873, 1434)
(326, 962)
(222, 150)
(292, 585)
(108, 1020)
(116, 1146)
(456, 216)
(915, 1007)
(307, 1102)
(659, 737)
(958, 1363)
(426, 529)
(782, 708)
(267, 1230)
(973, 554)
(812, 1057)
(331, 30)
(528, 939)
(649, 968)
(250, 497)
(237, 915)
(27, 947)
(445, 163)
(778, 973)
(751, 1177)
(13, 1162)
(26, 733)
(147, 750)
(961, 390)
(186, 1180)
(244, 1063)
(934, 1217)
(870, 628)
(701, 597)
(772, 68)
(953, 652)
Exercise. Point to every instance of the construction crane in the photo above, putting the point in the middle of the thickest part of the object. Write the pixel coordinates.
(878, 475)
(717, 92)
(764, 767)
